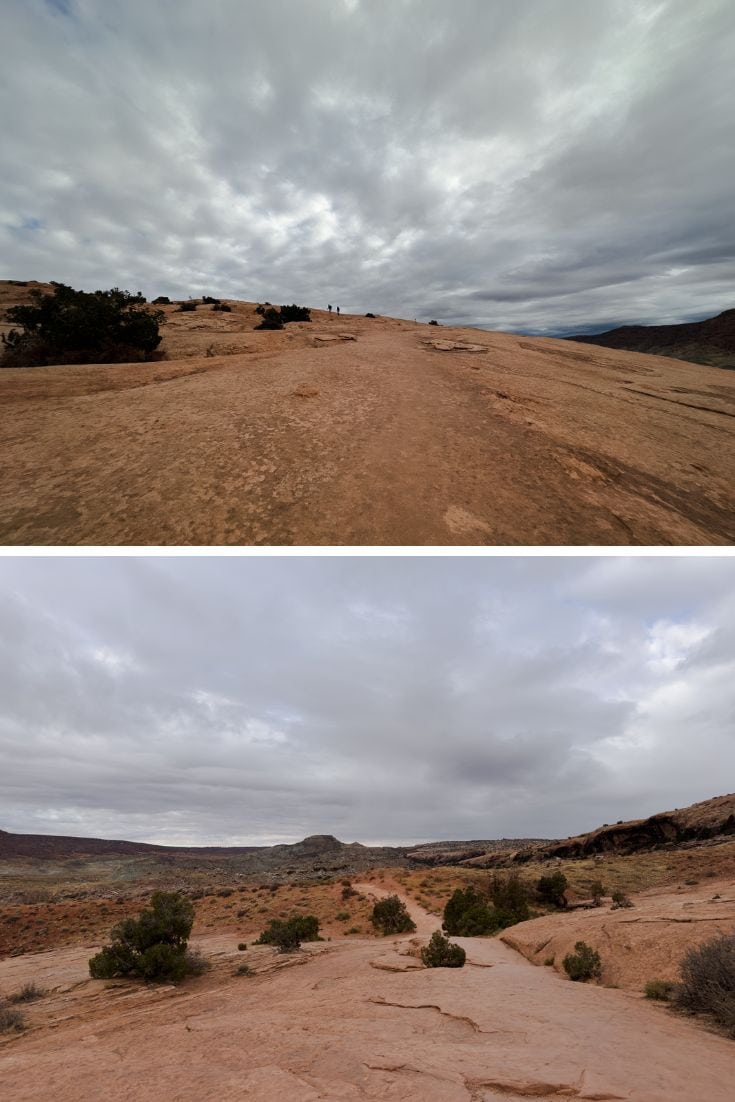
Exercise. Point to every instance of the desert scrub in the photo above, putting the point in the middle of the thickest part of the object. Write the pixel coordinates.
(620, 899)
(708, 981)
(660, 990)
(27, 994)
(71, 326)
(242, 946)
(390, 916)
(550, 889)
(244, 970)
(196, 963)
(441, 953)
(11, 1021)
(467, 914)
(583, 964)
(597, 891)
(287, 935)
(153, 946)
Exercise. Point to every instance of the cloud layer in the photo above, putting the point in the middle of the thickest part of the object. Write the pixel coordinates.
(546, 167)
(380, 699)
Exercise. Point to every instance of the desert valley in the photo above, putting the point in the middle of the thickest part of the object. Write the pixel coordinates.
(364, 430)
(356, 1014)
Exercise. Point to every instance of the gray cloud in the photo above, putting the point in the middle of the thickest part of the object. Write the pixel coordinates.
(541, 167)
(381, 699)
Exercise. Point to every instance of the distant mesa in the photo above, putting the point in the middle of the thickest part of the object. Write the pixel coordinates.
(710, 342)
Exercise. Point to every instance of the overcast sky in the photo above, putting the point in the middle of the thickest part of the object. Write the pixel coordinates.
(259, 700)
(535, 165)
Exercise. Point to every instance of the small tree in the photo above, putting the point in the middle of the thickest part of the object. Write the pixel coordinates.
(71, 326)
(467, 914)
(597, 891)
(287, 935)
(283, 935)
(391, 917)
(441, 953)
(583, 964)
(510, 900)
(551, 889)
(271, 319)
(152, 946)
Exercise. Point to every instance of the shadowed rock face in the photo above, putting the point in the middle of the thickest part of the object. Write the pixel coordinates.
(708, 342)
(456, 853)
(699, 822)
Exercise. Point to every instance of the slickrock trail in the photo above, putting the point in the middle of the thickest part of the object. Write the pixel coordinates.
(404, 435)
(354, 1020)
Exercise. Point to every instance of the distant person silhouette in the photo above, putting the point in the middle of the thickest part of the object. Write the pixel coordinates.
(329, 308)
(338, 311)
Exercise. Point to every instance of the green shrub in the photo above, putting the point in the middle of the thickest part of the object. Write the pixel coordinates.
(223, 308)
(287, 935)
(294, 313)
(509, 895)
(661, 990)
(283, 935)
(391, 917)
(441, 953)
(187, 307)
(433, 322)
(244, 970)
(152, 946)
(708, 981)
(208, 300)
(71, 326)
(596, 892)
(11, 1021)
(467, 914)
(162, 300)
(369, 315)
(342, 916)
(620, 899)
(271, 319)
(242, 946)
(550, 890)
(583, 964)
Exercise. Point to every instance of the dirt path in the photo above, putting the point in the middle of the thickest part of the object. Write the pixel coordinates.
(382, 440)
(354, 1020)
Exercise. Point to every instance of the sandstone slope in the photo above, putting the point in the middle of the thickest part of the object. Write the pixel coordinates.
(404, 435)
(357, 1020)
(644, 942)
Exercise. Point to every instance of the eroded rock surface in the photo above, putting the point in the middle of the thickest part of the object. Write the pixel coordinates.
(537, 442)
(637, 944)
(328, 1024)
